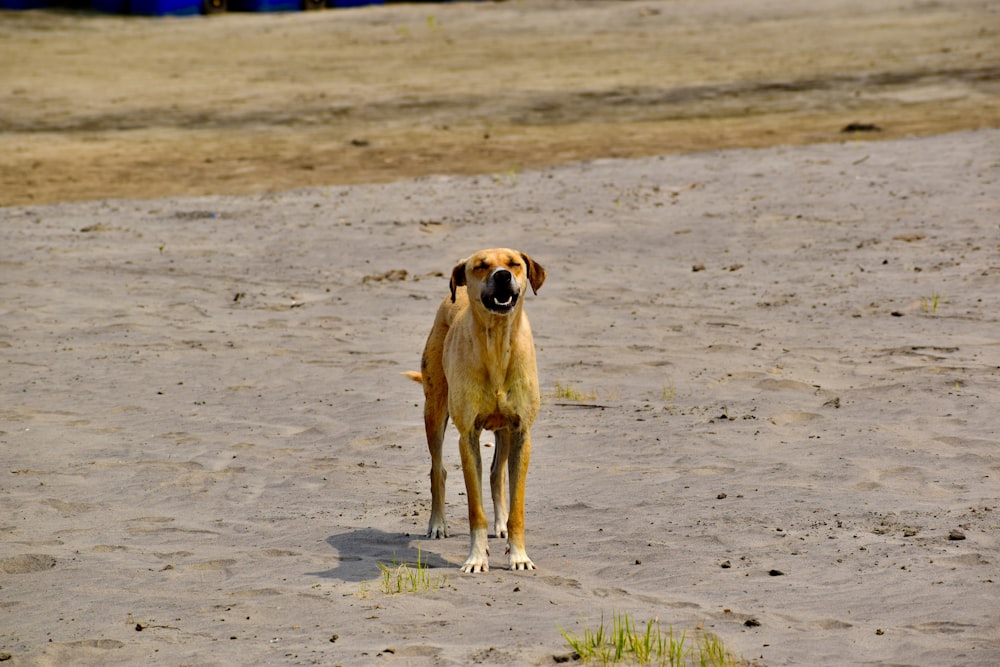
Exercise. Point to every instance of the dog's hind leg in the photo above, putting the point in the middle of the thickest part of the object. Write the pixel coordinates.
(435, 421)
(498, 482)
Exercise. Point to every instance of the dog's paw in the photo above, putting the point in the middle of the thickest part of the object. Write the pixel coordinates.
(476, 566)
(437, 530)
(477, 562)
(518, 559)
(500, 529)
(479, 554)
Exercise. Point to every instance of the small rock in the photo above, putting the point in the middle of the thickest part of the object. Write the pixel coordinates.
(776, 573)
(851, 128)
(751, 623)
(956, 535)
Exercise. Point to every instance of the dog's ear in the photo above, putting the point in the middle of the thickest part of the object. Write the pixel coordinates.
(457, 278)
(536, 274)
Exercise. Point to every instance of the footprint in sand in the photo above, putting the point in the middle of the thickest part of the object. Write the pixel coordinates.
(26, 563)
(217, 564)
(96, 643)
(68, 508)
(793, 418)
(554, 580)
(772, 384)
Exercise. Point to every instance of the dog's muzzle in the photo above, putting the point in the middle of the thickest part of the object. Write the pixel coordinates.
(500, 292)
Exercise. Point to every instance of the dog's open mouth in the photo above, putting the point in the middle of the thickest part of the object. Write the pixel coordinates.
(500, 292)
(499, 303)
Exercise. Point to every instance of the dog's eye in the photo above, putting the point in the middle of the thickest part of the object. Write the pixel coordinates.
(481, 266)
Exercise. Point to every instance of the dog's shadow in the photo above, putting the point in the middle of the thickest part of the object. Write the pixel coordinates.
(361, 551)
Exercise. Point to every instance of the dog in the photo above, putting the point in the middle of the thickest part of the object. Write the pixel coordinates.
(478, 367)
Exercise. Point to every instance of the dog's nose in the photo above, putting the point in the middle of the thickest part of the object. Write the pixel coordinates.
(502, 277)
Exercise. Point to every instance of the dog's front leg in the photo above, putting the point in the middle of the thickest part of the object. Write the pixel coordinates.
(472, 469)
(520, 455)
(498, 482)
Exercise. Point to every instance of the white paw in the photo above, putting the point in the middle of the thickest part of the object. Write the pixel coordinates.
(518, 559)
(437, 529)
(500, 529)
(476, 566)
(477, 563)
(479, 554)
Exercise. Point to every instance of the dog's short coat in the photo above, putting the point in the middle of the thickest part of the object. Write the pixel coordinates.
(479, 367)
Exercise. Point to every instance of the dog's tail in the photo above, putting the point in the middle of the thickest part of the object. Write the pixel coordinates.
(415, 376)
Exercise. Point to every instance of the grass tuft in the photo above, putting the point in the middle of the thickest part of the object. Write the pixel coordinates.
(405, 578)
(568, 392)
(626, 642)
(510, 177)
(929, 304)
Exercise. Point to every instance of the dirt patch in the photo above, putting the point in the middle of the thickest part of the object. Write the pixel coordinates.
(26, 563)
(107, 106)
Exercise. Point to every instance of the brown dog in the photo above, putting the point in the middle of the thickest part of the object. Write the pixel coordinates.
(479, 367)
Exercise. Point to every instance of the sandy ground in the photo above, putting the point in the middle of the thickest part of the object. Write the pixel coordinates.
(783, 363)
(784, 360)
(98, 106)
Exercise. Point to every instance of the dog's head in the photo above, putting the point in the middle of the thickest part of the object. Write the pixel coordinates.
(497, 278)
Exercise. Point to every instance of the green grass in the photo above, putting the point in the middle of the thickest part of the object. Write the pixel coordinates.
(409, 578)
(510, 177)
(932, 302)
(628, 643)
(570, 393)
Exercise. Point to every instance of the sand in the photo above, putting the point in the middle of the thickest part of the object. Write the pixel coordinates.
(770, 372)
(99, 106)
(771, 361)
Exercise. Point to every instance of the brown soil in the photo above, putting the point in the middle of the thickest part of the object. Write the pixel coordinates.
(101, 106)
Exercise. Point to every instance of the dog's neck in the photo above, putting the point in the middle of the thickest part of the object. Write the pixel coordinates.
(498, 335)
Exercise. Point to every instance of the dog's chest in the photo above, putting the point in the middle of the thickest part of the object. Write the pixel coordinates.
(501, 405)
(496, 422)
(490, 377)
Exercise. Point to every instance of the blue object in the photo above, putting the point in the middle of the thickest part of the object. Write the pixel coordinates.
(165, 7)
(22, 4)
(265, 5)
